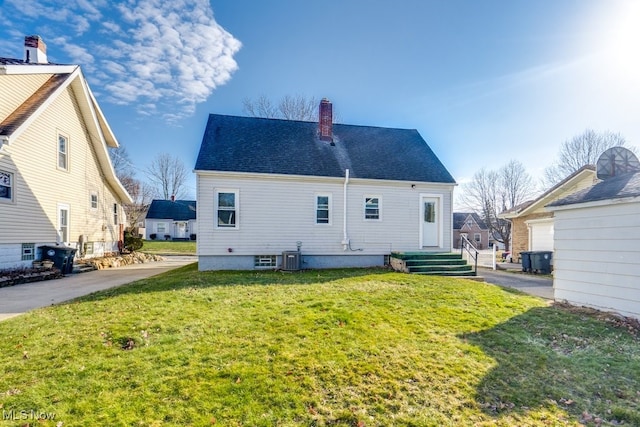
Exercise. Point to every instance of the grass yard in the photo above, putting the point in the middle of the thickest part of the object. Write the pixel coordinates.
(169, 247)
(317, 348)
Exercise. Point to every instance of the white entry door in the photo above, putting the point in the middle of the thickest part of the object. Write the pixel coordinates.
(181, 230)
(431, 220)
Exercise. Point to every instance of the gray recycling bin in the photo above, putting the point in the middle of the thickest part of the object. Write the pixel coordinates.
(62, 257)
(541, 261)
(526, 261)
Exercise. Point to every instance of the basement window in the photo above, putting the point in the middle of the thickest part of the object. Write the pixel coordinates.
(28, 251)
(265, 261)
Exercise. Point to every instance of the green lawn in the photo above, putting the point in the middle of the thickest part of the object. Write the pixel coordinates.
(318, 348)
(169, 247)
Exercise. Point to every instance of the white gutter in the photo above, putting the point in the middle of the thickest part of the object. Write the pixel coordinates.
(345, 237)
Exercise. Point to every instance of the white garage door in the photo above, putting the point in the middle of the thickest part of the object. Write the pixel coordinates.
(541, 236)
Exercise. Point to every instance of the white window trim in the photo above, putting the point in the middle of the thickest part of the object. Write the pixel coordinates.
(63, 206)
(68, 143)
(329, 207)
(12, 178)
(364, 207)
(91, 195)
(164, 225)
(216, 192)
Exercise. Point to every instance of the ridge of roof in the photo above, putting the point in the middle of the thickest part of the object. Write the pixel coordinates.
(290, 147)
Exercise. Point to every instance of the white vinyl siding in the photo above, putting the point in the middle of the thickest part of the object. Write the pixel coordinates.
(20, 87)
(291, 202)
(596, 257)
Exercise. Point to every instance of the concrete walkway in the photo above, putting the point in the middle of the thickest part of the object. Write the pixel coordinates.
(532, 284)
(15, 300)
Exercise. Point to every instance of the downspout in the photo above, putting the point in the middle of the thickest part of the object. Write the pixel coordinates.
(345, 235)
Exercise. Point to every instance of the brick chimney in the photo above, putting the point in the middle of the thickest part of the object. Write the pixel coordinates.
(35, 51)
(326, 120)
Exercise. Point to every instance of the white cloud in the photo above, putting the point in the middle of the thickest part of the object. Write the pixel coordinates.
(163, 57)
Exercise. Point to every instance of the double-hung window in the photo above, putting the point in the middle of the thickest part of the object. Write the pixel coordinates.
(115, 214)
(372, 208)
(63, 152)
(323, 208)
(6, 186)
(94, 201)
(226, 207)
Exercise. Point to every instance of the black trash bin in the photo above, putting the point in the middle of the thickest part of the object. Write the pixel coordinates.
(526, 261)
(62, 257)
(541, 261)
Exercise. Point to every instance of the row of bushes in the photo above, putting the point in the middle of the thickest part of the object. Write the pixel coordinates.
(154, 236)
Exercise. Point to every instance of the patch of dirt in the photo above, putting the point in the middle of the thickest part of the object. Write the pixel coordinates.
(629, 324)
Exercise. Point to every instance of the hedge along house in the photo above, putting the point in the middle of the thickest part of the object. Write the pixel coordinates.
(57, 183)
(345, 195)
(171, 219)
(597, 231)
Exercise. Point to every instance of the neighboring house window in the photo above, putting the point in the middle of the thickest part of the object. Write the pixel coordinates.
(63, 223)
(94, 201)
(323, 209)
(372, 208)
(161, 227)
(227, 209)
(6, 186)
(115, 214)
(470, 224)
(265, 261)
(63, 152)
(28, 251)
(477, 237)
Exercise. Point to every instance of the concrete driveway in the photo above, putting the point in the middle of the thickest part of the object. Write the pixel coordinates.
(532, 284)
(15, 300)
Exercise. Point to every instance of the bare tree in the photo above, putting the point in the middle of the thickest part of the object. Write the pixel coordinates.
(579, 151)
(140, 192)
(491, 192)
(288, 107)
(168, 176)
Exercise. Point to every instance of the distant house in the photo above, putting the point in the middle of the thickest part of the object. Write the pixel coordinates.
(57, 184)
(346, 195)
(472, 227)
(597, 254)
(532, 226)
(171, 219)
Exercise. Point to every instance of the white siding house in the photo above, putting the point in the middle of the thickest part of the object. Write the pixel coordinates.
(171, 220)
(57, 184)
(346, 198)
(597, 251)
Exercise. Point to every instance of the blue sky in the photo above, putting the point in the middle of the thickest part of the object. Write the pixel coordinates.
(484, 82)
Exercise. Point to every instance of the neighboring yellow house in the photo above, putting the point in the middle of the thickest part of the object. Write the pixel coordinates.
(57, 183)
(532, 225)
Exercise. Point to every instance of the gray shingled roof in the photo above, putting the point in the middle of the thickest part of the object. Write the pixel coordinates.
(618, 187)
(272, 146)
(179, 210)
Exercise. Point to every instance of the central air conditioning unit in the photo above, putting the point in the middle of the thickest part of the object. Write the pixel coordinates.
(291, 261)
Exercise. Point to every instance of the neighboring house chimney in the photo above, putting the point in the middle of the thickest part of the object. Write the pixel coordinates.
(35, 51)
(326, 120)
(173, 198)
